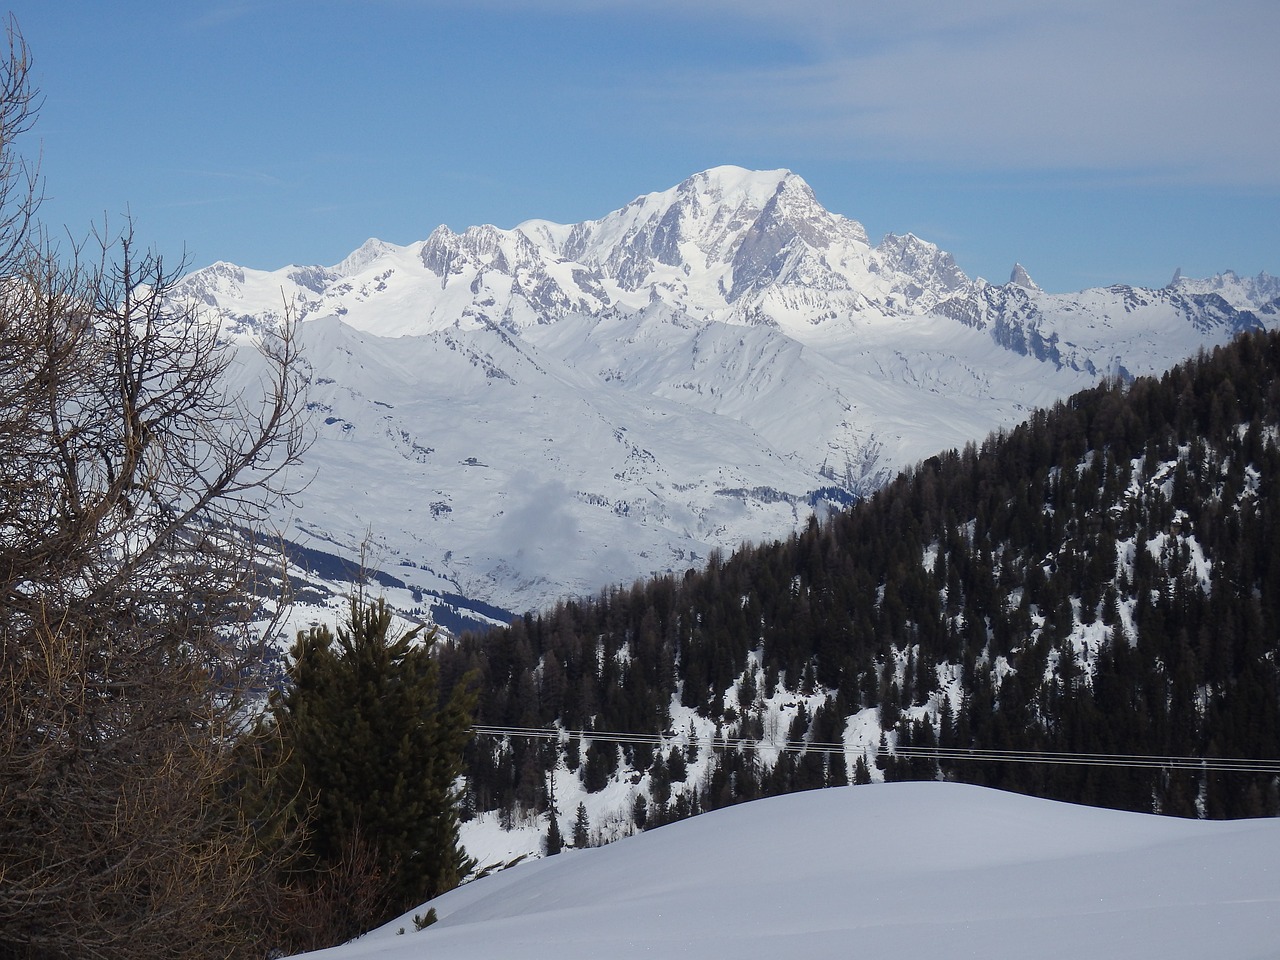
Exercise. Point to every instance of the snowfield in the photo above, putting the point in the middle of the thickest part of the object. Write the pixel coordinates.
(927, 870)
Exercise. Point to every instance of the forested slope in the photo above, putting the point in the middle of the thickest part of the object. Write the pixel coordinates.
(1105, 578)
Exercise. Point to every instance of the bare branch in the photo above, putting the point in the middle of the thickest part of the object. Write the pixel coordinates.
(132, 478)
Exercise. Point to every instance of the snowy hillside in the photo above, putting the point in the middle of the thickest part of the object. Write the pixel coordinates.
(516, 415)
(901, 870)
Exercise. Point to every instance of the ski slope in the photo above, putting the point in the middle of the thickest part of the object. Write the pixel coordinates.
(936, 870)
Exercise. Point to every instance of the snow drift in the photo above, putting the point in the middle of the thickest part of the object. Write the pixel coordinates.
(901, 869)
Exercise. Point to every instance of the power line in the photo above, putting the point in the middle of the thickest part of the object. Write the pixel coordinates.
(1125, 760)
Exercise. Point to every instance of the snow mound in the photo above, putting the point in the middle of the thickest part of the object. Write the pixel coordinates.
(902, 869)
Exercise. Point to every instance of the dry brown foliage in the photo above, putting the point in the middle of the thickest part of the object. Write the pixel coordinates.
(131, 480)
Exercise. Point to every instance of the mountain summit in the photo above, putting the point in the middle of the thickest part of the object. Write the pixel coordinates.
(1020, 278)
(518, 414)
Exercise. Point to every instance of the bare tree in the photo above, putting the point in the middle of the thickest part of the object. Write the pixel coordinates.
(132, 480)
(18, 178)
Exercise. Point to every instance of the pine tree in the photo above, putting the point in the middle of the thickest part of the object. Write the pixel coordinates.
(601, 760)
(372, 751)
(553, 842)
(640, 812)
(677, 770)
(582, 828)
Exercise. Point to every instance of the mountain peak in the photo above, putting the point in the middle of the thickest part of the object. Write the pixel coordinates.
(1242, 292)
(726, 230)
(918, 269)
(728, 181)
(724, 191)
(362, 256)
(1020, 278)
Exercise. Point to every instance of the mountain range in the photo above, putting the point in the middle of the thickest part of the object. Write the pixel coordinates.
(507, 417)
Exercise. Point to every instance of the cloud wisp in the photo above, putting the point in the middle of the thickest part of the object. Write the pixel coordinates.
(1174, 91)
(1181, 99)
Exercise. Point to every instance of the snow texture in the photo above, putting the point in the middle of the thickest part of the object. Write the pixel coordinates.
(888, 870)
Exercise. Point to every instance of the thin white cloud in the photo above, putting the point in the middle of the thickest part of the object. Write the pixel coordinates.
(1179, 90)
(220, 14)
(240, 176)
(1187, 100)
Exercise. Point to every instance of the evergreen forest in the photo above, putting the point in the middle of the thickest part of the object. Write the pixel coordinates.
(1102, 579)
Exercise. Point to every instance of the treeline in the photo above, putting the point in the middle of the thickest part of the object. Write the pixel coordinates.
(1104, 578)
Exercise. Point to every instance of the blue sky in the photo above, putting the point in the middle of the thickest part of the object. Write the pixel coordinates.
(1095, 141)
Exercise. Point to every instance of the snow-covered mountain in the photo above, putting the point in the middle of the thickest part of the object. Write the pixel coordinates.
(516, 415)
(903, 869)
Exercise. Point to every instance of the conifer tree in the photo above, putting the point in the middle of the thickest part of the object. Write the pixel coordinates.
(640, 812)
(553, 842)
(677, 769)
(372, 750)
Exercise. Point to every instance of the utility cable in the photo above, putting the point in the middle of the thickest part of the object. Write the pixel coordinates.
(1124, 760)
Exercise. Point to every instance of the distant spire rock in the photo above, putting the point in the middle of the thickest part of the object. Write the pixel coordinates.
(1020, 278)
